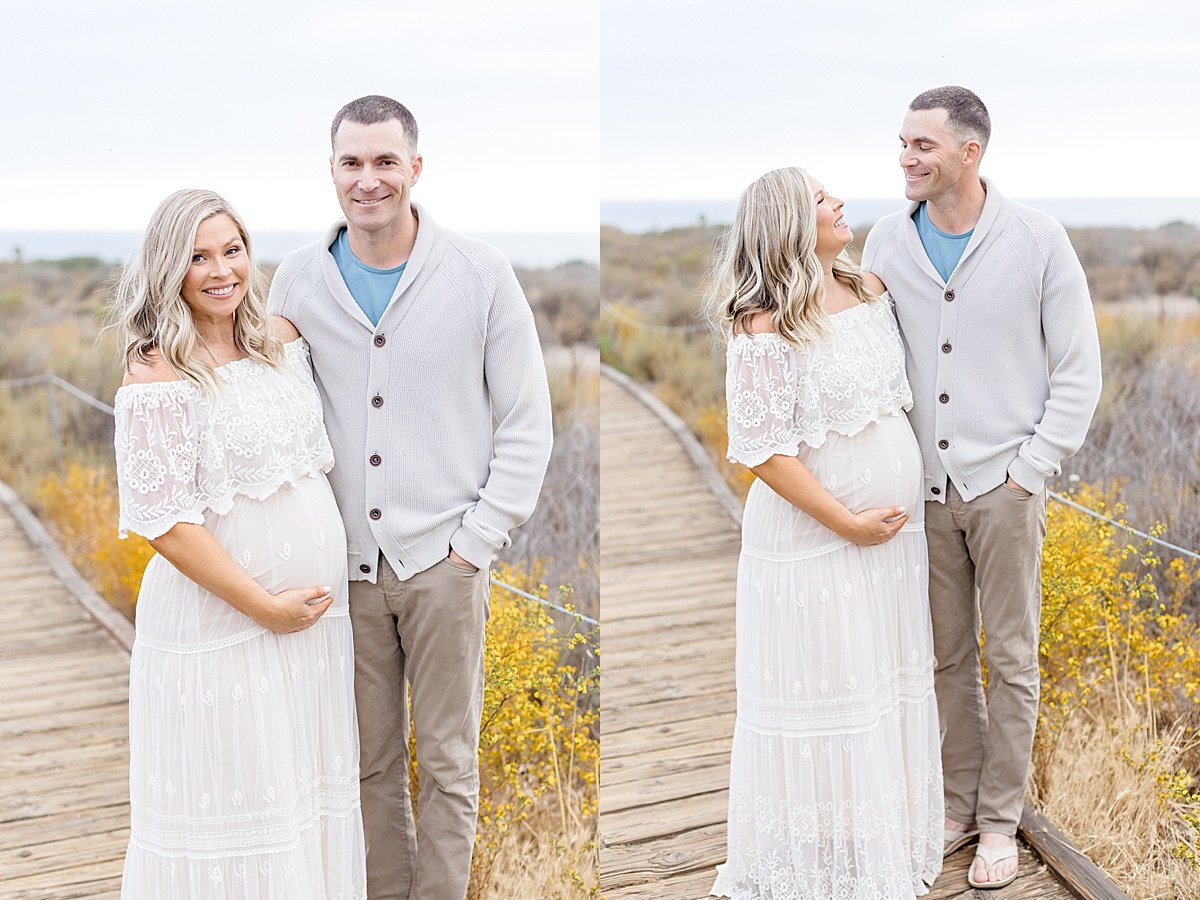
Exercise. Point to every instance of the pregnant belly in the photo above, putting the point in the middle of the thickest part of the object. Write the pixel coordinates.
(877, 468)
(292, 539)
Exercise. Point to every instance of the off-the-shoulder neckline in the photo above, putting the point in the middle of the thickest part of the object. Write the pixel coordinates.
(288, 346)
(752, 335)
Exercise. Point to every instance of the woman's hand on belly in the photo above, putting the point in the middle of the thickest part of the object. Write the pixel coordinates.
(295, 609)
(788, 477)
(875, 526)
(197, 555)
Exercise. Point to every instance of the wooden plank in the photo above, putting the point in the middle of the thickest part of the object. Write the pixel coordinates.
(636, 825)
(655, 710)
(669, 785)
(688, 851)
(677, 735)
(692, 886)
(1083, 878)
(64, 854)
(20, 833)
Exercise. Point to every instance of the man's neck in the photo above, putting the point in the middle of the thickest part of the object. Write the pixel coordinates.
(958, 211)
(384, 249)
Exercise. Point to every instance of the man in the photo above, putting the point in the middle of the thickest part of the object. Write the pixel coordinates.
(419, 336)
(986, 292)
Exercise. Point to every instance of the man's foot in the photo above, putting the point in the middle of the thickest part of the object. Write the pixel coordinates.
(995, 863)
(955, 835)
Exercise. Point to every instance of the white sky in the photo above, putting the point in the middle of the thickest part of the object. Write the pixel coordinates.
(105, 108)
(1095, 99)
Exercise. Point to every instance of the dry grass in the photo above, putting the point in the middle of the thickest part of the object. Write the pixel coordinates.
(1096, 789)
(547, 859)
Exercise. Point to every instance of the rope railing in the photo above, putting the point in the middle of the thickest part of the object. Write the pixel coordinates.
(55, 382)
(1098, 515)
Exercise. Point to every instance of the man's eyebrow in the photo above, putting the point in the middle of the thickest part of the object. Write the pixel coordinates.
(387, 154)
(919, 140)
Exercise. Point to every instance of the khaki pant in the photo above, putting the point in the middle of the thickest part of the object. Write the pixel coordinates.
(429, 632)
(993, 544)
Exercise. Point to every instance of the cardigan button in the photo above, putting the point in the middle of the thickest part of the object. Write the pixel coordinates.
(377, 401)
(380, 340)
(935, 490)
(375, 459)
(364, 568)
(943, 444)
(946, 348)
(949, 296)
(375, 514)
(943, 398)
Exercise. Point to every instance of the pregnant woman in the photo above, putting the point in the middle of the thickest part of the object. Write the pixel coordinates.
(243, 740)
(835, 778)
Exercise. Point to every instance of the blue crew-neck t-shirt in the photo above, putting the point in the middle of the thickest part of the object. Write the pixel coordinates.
(371, 288)
(944, 250)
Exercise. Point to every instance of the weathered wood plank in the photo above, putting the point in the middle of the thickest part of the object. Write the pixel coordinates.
(64, 810)
(1083, 878)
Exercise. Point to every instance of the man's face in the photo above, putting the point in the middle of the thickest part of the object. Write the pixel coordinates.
(933, 159)
(373, 173)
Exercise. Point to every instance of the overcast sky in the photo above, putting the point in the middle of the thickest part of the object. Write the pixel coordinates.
(1095, 99)
(532, 111)
(105, 108)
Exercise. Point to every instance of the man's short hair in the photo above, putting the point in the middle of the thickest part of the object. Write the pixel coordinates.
(371, 110)
(966, 116)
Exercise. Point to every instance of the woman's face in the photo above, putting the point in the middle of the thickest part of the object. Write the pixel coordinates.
(218, 277)
(833, 234)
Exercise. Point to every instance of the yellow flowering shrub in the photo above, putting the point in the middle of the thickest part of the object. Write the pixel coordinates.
(539, 747)
(1109, 637)
(80, 509)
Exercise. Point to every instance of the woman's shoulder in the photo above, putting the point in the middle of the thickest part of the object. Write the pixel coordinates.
(152, 369)
(874, 284)
(282, 329)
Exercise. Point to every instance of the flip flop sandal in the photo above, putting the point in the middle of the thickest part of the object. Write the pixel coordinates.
(952, 840)
(990, 857)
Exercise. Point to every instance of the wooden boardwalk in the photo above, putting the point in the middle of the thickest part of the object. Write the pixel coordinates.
(668, 559)
(64, 764)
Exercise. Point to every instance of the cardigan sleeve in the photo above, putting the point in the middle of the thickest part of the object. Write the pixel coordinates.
(515, 375)
(1073, 350)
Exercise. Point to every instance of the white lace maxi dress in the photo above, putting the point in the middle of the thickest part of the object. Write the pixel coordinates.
(835, 777)
(243, 743)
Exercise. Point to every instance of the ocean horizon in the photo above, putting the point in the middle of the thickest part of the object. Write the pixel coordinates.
(528, 250)
(641, 216)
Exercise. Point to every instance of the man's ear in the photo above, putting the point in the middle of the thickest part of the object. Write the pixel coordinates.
(417, 164)
(971, 152)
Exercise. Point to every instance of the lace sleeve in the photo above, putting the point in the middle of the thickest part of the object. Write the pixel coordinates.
(157, 452)
(760, 392)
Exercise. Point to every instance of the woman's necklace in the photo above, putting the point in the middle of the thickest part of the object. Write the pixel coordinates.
(208, 350)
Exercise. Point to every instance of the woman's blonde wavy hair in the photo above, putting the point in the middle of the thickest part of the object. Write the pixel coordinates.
(151, 312)
(767, 262)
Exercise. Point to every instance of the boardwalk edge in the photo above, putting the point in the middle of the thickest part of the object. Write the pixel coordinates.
(696, 453)
(101, 611)
(1082, 877)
